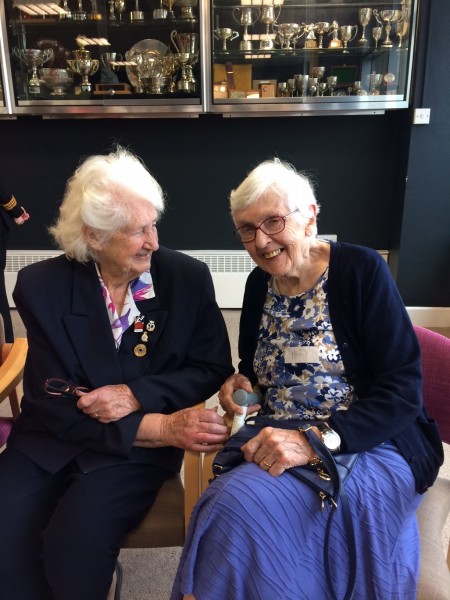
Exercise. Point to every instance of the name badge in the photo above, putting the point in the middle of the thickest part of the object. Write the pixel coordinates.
(301, 354)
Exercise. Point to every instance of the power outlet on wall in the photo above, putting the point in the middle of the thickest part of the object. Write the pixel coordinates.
(421, 116)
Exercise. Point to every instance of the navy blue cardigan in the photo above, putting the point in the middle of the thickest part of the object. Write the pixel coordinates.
(381, 356)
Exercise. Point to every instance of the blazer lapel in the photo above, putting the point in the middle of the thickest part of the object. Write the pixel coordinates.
(89, 329)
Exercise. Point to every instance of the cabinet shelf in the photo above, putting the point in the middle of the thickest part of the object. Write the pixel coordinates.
(261, 70)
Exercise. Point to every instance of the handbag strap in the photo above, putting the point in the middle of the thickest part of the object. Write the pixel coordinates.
(339, 498)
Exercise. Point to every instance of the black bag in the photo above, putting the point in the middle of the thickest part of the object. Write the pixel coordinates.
(327, 478)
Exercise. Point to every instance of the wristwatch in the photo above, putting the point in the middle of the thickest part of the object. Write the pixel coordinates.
(330, 437)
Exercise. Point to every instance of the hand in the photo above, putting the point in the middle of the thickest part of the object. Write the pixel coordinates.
(200, 430)
(233, 383)
(23, 217)
(108, 403)
(276, 450)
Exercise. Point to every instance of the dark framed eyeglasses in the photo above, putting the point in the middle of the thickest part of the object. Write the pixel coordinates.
(60, 387)
(270, 226)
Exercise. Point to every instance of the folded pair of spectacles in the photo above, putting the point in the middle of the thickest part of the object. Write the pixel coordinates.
(60, 387)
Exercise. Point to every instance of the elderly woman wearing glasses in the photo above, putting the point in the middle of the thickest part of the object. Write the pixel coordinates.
(124, 338)
(325, 337)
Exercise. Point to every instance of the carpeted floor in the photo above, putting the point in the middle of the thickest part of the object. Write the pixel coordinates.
(149, 573)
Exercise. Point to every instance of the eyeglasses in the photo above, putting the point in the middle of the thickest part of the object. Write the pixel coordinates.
(270, 226)
(61, 387)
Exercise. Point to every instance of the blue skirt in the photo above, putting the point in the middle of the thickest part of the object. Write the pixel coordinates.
(257, 537)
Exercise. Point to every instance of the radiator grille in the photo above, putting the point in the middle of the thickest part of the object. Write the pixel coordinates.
(218, 261)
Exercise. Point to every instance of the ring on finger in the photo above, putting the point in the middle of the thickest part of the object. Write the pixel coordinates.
(267, 464)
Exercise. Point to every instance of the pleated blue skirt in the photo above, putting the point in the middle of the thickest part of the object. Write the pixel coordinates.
(257, 537)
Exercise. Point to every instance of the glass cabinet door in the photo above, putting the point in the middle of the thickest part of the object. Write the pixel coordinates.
(105, 56)
(291, 56)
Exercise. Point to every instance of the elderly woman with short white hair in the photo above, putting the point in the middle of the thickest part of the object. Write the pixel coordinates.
(325, 338)
(124, 338)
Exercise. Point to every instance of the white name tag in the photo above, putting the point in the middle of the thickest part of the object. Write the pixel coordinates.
(301, 354)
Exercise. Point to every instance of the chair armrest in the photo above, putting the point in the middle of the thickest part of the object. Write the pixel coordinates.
(11, 371)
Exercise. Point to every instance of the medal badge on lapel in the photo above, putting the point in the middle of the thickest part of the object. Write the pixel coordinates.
(140, 350)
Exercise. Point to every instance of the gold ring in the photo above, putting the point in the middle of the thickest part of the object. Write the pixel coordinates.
(267, 464)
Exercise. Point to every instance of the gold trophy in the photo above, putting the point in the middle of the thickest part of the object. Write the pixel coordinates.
(82, 64)
(334, 32)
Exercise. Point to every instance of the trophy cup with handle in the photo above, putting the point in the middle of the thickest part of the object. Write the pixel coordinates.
(365, 14)
(387, 17)
(186, 45)
(34, 58)
(246, 16)
(82, 64)
(348, 34)
(322, 28)
(225, 34)
(269, 16)
(402, 29)
(286, 33)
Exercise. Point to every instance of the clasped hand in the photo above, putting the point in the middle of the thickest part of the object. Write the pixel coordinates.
(108, 403)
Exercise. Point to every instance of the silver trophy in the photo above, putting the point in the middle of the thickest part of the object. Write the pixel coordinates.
(225, 34)
(34, 58)
(287, 33)
(387, 17)
(57, 80)
(108, 66)
(365, 14)
(246, 16)
(186, 45)
(310, 40)
(376, 34)
(269, 16)
(348, 34)
(82, 64)
(80, 14)
(187, 9)
(323, 27)
(136, 14)
(402, 29)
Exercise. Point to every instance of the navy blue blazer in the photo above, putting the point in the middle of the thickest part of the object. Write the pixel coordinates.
(188, 358)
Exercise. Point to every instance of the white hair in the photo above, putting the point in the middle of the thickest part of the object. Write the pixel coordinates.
(279, 179)
(97, 196)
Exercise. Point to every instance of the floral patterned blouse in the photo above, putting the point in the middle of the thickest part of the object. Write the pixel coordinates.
(140, 288)
(297, 360)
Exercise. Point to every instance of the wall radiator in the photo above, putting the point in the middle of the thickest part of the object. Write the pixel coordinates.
(229, 270)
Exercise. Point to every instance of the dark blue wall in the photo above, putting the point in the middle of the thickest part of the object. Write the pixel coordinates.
(359, 163)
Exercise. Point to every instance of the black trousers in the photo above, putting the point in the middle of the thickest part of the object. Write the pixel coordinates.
(61, 534)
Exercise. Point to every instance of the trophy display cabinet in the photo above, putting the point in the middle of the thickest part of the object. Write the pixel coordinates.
(291, 56)
(103, 57)
(182, 58)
